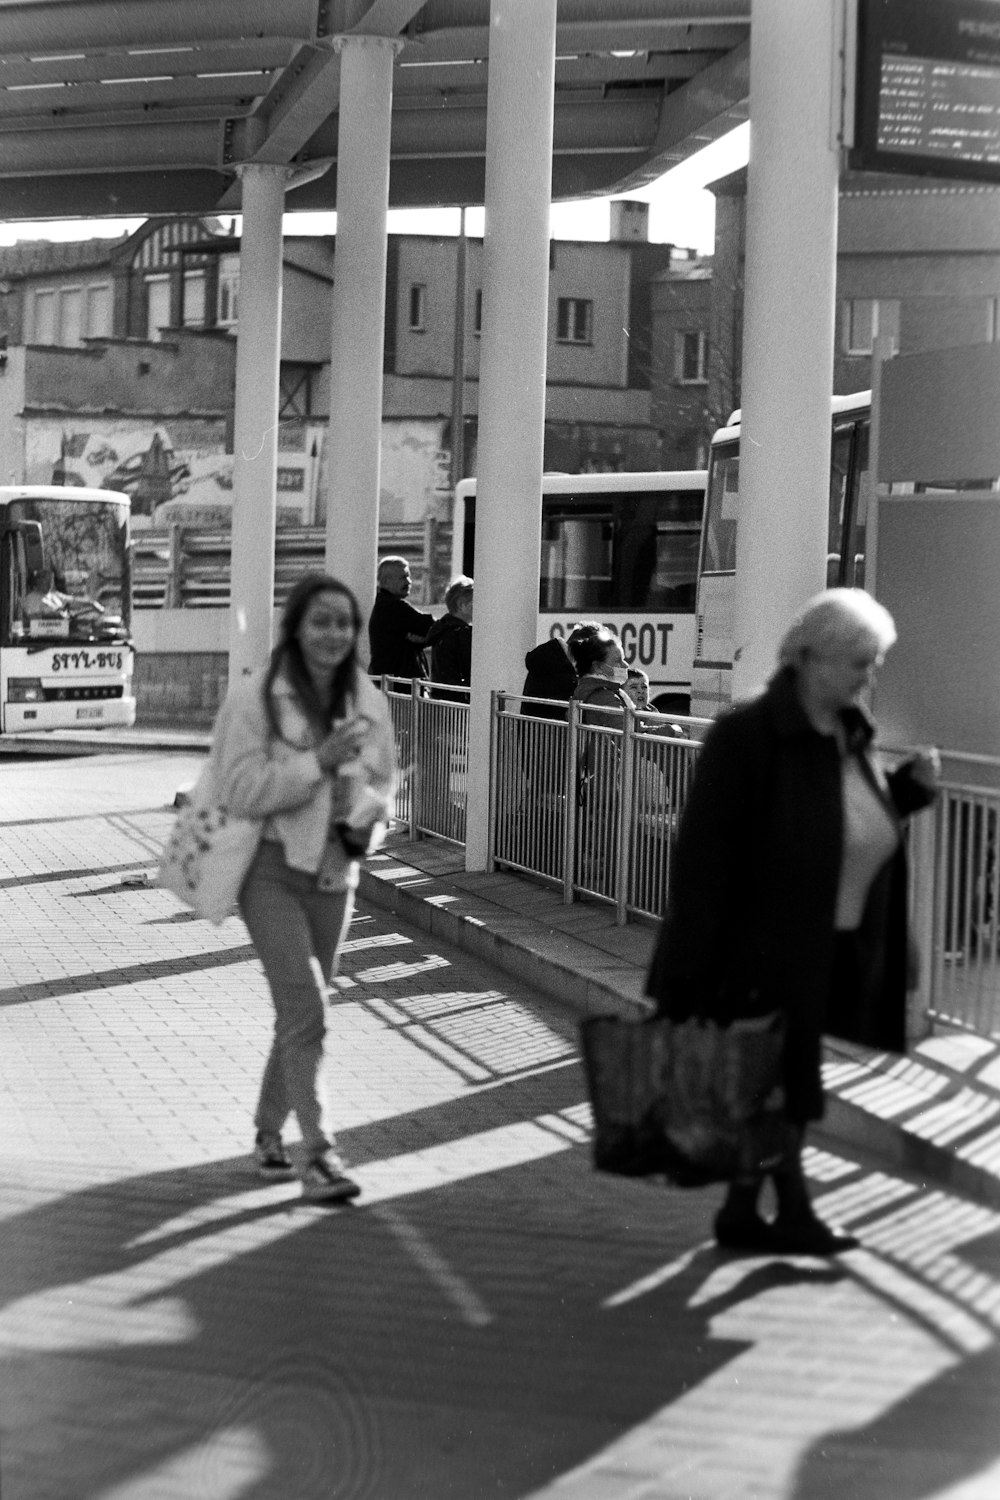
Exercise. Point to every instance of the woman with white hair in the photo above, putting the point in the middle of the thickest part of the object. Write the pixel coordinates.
(788, 886)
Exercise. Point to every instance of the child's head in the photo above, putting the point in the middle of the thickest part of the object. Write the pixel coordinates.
(637, 687)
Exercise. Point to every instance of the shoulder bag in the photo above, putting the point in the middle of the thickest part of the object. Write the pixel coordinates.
(692, 1100)
(209, 852)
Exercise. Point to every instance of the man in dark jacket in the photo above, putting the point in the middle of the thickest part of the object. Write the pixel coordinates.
(450, 639)
(397, 632)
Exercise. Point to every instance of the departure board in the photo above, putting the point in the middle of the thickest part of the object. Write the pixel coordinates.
(929, 88)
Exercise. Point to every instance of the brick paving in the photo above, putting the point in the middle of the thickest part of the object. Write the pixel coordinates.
(491, 1319)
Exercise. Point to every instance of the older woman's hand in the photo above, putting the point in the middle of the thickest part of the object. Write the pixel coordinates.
(925, 768)
(343, 743)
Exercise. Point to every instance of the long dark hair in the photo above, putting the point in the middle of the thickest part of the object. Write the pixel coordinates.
(287, 658)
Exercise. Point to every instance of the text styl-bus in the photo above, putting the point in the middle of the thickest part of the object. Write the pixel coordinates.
(621, 549)
(66, 653)
(846, 539)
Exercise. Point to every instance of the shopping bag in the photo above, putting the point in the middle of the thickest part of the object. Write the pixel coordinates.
(691, 1100)
(209, 852)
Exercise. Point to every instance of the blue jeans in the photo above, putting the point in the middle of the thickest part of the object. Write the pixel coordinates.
(297, 930)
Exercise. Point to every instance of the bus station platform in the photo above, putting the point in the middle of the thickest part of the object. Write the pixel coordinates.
(491, 1316)
(935, 1112)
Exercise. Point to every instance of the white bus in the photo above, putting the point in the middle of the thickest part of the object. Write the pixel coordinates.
(622, 549)
(66, 655)
(850, 491)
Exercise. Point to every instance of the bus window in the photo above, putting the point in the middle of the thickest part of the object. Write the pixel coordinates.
(576, 570)
(656, 549)
(720, 509)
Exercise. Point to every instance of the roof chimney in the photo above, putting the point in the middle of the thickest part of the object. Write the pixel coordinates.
(629, 220)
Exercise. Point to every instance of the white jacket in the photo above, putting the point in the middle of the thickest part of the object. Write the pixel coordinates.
(282, 782)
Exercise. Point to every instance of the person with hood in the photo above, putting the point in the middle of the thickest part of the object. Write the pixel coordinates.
(450, 640)
(553, 672)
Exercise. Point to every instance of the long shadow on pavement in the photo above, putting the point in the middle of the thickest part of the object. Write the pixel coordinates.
(450, 1343)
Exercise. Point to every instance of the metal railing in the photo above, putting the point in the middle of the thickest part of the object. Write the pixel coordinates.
(961, 848)
(590, 801)
(431, 726)
(188, 567)
(589, 798)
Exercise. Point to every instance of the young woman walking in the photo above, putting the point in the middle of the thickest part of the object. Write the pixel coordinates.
(306, 746)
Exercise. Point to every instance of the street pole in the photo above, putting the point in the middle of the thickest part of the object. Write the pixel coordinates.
(458, 363)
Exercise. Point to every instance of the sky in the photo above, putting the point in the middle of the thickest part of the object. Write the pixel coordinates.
(681, 211)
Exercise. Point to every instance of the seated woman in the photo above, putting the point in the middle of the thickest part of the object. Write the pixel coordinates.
(603, 675)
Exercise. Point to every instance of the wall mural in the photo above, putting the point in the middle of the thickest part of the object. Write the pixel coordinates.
(173, 471)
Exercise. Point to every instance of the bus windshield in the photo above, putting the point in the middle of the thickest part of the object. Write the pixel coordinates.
(720, 509)
(620, 551)
(67, 569)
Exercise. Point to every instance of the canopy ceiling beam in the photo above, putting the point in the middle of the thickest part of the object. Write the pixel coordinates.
(666, 35)
(619, 125)
(88, 105)
(453, 78)
(386, 17)
(715, 101)
(106, 68)
(30, 28)
(303, 97)
(109, 148)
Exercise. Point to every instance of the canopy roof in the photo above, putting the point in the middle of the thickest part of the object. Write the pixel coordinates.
(148, 107)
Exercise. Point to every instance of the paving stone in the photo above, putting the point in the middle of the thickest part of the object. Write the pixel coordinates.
(492, 1317)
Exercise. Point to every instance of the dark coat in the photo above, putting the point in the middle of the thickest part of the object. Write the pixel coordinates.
(392, 621)
(450, 645)
(551, 674)
(753, 889)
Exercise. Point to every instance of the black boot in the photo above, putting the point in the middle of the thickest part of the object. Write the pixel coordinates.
(738, 1225)
(798, 1229)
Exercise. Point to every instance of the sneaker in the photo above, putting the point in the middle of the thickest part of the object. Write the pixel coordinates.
(272, 1159)
(325, 1181)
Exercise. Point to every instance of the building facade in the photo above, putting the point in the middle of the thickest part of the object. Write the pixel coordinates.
(121, 361)
(918, 262)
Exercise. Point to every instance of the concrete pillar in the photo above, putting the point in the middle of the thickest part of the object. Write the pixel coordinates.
(255, 446)
(511, 372)
(791, 249)
(354, 453)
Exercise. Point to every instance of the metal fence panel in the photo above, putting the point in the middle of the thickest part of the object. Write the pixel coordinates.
(594, 807)
(965, 988)
(663, 770)
(531, 791)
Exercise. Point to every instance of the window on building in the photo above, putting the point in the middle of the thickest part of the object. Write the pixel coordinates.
(98, 314)
(194, 299)
(418, 307)
(157, 306)
(864, 318)
(70, 331)
(43, 312)
(691, 357)
(67, 315)
(295, 394)
(860, 325)
(477, 321)
(574, 320)
(229, 292)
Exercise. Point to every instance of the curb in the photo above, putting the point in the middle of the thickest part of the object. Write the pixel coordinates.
(544, 959)
(555, 965)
